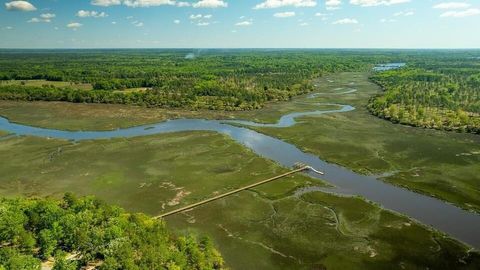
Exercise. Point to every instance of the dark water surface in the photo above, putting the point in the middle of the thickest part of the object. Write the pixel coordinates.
(389, 66)
(458, 223)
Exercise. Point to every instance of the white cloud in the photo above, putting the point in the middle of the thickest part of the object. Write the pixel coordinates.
(372, 3)
(333, 4)
(284, 14)
(461, 14)
(244, 23)
(404, 13)
(210, 4)
(105, 3)
(133, 3)
(176, 21)
(44, 18)
(201, 20)
(94, 14)
(452, 5)
(74, 25)
(114, 23)
(20, 6)
(346, 21)
(147, 3)
(388, 20)
(8, 28)
(137, 23)
(47, 16)
(34, 20)
(304, 24)
(319, 14)
(198, 16)
(286, 3)
(322, 16)
(183, 4)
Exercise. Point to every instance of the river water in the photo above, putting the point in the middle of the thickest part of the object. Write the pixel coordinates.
(456, 222)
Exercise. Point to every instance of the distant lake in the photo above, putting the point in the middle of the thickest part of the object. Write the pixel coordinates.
(389, 66)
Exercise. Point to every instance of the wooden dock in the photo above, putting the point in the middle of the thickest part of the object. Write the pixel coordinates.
(191, 206)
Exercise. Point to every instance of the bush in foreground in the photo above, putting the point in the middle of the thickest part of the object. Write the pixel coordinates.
(76, 232)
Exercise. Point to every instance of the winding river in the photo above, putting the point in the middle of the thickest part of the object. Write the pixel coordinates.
(458, 223)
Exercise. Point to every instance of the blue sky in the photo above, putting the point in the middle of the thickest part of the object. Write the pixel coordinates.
(240, 24)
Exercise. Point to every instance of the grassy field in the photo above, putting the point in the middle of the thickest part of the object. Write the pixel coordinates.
(270, 227)
(39, 83)
(317, 231)
(148, 174)
(73, 116)
(441, 164)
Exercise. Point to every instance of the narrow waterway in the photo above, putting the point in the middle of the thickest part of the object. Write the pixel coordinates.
(445, 217)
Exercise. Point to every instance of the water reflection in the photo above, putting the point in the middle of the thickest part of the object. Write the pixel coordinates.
(459, 223)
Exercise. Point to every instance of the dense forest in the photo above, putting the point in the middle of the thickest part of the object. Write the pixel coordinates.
(435, 94)
(75, 232)
(212, 79)
(438, 89)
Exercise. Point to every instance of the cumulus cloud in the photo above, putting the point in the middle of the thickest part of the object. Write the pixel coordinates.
(210, 4)
(94, 14)
(34, 20)
(105, 3)
(200, 16)
(461, 14)
(372, 3)
(388, 20)
(183, 4)
(45, 18)
(404, 13)
(20, 6)
(176, 21)
(153, 3)
(195, 16)
(132, 3)
(284, 14)
(244, 23)
(333, 4)
(452, 5)
(147, 3)
(200, 19)
(137, 23)
(74, 25)
(286, 3)
(346, 21)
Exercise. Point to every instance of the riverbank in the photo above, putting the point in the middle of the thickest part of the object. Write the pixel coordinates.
(269, 227)
(436, 163)
(245, 227)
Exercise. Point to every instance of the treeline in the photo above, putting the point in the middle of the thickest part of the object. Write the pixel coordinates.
(445, 95)
(219, 80)
(76, 232)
